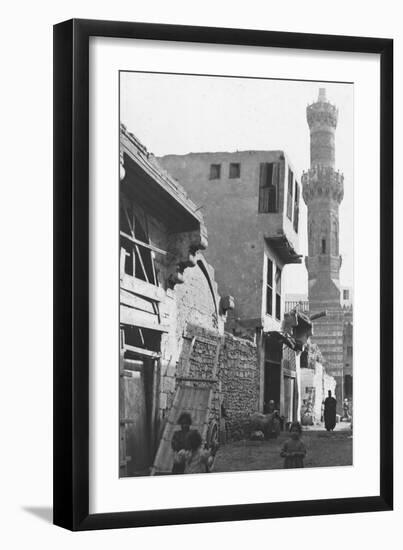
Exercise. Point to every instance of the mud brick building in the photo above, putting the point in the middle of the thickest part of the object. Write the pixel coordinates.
(250, 203)
(174, 354)
(323, 189)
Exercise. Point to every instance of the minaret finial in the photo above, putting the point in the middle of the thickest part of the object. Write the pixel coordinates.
(322, 94)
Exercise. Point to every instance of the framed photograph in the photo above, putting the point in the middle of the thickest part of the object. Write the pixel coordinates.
(223, 299)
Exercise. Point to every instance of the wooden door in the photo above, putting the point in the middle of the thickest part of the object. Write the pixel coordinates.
(135, 416)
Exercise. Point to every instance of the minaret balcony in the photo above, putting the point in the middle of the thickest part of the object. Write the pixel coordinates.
(322, 113)
(322, 182)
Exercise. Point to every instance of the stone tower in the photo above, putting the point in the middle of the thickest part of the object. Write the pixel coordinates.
(323, 193)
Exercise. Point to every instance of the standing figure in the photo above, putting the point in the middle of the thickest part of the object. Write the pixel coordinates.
(179, 441)
(273, 421)
(346, 411)
(330, 412)
(294, 450)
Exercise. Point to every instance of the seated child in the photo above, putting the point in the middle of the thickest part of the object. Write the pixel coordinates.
(178, 442)
(195, 459)
(293, 449)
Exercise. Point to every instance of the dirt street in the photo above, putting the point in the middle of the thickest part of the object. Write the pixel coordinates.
(323, 449)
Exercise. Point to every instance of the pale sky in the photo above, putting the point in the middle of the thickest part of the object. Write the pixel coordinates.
(178, 114)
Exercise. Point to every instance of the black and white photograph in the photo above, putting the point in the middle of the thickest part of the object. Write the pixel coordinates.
(235, 274)
(204, 277)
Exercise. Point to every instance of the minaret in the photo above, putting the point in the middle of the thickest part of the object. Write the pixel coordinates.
(323, 192)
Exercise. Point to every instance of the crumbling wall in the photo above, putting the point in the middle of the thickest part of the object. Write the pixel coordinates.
(196, 351)
(229, 366)
(197, 299)
(187, 310)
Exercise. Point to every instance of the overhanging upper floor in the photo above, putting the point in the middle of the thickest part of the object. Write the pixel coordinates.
(283, 248)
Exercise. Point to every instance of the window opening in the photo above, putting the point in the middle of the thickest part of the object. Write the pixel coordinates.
(268, 187)
(234, 170)
(269, 287)
(136, 252)
(289, 194)
(278, 293)
(296, 207)
(215, 171)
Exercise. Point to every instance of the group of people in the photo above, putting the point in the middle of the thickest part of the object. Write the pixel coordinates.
(189, 456)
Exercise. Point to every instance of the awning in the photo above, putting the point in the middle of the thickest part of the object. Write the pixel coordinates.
(284, 338)
(284, 249)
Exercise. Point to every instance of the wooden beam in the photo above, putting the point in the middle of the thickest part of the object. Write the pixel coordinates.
(144, 352)
(141, 263)
(123, 255)
(142, 243)
(142, 288)
(137, 302)
(192, 379)
(141, 319)
(131, 227)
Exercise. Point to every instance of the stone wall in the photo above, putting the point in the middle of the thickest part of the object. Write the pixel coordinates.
(191, 311)
(227, 364)
(195, 350)
(239, 379)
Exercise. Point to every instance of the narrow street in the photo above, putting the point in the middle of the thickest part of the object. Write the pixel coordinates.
(323, 449)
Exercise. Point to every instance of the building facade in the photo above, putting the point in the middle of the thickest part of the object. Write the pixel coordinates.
(250, 203)
(348, 353)
(315, 384)
(323, 192)
(174, 354)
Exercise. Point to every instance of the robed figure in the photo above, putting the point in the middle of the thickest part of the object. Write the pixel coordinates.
(330, 412)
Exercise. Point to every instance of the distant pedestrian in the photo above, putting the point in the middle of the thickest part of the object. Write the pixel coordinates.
(273, 421)
(179, 441)
(194, 459)
(294, 450)
(346, 411)
(330, 412)
(307, 415)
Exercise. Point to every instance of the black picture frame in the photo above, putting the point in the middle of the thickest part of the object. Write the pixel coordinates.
(71, 273)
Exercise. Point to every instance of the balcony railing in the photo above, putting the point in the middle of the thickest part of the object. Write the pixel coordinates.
(302, 306)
